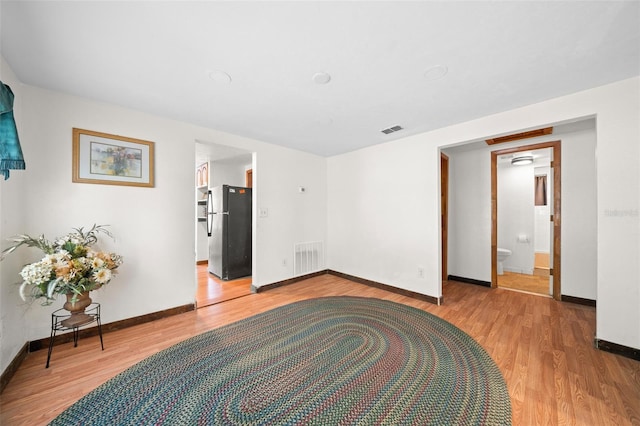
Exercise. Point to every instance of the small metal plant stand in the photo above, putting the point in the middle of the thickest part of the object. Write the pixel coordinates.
(60, 322)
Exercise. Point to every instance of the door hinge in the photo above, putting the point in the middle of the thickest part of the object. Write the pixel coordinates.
(552, 164)
(551, 272)
(550, 218)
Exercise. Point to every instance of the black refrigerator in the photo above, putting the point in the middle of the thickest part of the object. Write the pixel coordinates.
(229, 231)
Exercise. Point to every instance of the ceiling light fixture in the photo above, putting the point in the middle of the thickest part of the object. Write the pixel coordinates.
(522, 160)
(321, 78)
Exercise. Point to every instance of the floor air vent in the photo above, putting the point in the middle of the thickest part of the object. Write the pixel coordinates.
(308, 257)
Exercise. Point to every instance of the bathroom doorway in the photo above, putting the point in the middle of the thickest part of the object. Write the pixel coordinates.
(525, 271)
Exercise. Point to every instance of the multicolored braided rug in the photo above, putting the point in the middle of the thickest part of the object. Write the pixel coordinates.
(327, 361)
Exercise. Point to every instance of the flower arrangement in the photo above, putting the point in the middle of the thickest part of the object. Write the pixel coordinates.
(69, 266)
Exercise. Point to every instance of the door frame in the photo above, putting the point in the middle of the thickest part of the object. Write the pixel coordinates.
(556, 166)
(444, 212)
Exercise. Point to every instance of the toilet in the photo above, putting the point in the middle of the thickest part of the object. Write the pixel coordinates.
(502, 256)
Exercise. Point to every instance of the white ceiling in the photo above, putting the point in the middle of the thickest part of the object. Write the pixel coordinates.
(158, 57)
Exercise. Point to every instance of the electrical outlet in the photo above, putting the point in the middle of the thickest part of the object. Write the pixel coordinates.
(420, 272)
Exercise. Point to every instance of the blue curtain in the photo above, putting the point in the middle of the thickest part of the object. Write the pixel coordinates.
(10, 151)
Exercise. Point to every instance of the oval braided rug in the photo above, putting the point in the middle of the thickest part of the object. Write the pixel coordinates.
(326, 361)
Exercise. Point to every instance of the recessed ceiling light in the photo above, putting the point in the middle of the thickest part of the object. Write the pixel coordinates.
(321, 78)
(436, 72)
(220, 77)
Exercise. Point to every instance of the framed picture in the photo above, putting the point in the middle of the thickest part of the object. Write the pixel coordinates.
(202, 175)
(111, 160)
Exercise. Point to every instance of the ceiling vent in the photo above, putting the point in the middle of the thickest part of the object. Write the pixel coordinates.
(391, 130)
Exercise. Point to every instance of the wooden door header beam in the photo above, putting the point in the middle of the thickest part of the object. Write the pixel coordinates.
(518, 136)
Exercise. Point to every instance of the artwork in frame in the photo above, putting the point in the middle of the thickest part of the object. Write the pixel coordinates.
(107, 159)
(202, 175)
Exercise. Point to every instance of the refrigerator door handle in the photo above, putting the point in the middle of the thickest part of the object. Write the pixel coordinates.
(210, 213)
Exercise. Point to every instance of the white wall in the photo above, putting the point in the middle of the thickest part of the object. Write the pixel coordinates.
(292, 217)
(381, 204)
(393, 223)
(580, 260)
(618, 221)
(516, 216)
(153, 226)
(381, 215)
(13, 334)
(228, 174)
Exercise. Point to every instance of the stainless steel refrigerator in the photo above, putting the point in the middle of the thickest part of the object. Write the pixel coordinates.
(229, 230)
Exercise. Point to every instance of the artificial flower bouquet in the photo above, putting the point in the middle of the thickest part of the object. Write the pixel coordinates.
(69, 265)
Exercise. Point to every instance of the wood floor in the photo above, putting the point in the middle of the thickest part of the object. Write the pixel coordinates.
(543, 347)
(532, 283)
(212, 290)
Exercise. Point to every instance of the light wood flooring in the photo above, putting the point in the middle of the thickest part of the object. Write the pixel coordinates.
(532, 283)
(543, 347)
(212, 290)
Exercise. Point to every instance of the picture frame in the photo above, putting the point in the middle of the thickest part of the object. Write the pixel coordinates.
(102, 158)
(202, 175)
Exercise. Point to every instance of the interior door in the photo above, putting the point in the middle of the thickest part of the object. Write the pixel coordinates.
(550, 201)
(551, 197)
(444, 212)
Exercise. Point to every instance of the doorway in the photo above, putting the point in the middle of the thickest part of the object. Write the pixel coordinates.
(233, 167)
(500, 277)
(212, 290)
(444, 212)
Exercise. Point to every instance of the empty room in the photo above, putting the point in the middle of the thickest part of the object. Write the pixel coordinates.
(219, 212)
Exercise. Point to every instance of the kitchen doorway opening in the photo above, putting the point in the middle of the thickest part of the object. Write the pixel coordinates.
(225, 219)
